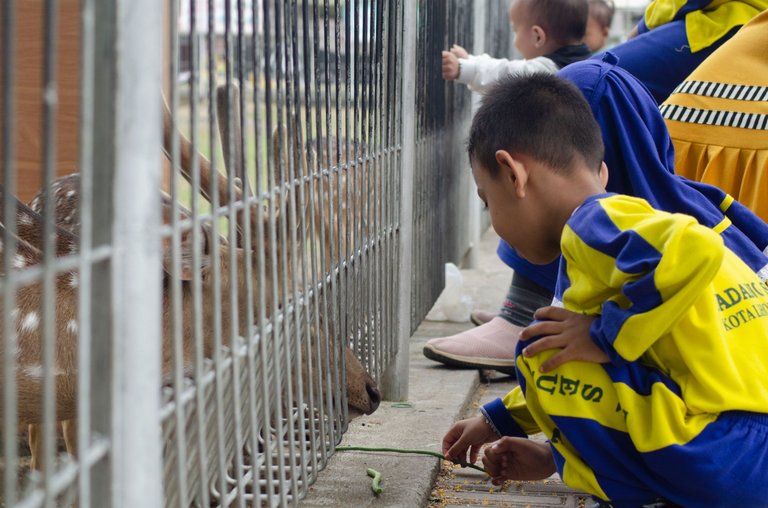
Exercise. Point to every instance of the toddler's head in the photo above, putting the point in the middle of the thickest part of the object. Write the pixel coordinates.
(544, 26)
(598, 23)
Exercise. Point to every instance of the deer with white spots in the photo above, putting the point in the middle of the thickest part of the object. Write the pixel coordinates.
(26, 315)
(362, 393)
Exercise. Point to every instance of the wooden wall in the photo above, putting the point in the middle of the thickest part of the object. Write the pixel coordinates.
(29, 142)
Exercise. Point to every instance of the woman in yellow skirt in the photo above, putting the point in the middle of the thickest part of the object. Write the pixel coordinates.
(718, 118)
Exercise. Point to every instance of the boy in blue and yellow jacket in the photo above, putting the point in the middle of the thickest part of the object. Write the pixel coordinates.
(650, 375)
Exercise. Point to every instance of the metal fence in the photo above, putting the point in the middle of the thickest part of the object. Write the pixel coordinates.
(447, 219)
(200, 305)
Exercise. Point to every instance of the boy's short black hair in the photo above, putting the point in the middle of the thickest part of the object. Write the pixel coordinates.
(539, 115)
(602, 11)
(564, 21)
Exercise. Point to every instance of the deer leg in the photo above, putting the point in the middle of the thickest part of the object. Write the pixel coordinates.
(69, 430)
(35, 447)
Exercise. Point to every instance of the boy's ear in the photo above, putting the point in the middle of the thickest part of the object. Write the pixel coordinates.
(513, 172)
(540, 36)
(603, 174)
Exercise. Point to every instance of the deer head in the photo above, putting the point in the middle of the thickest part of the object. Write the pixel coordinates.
(274, 219)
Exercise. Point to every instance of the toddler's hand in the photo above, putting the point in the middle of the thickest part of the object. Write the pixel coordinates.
(515, 458)
(450, 66)
(470, 434)
(459, 51)
(562, 329)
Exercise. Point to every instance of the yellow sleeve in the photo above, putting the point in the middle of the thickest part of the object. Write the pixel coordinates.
(514, 401)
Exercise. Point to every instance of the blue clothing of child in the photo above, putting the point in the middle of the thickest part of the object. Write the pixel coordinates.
(680, 413)
(665, 48)
(640, 159)
(674, 37)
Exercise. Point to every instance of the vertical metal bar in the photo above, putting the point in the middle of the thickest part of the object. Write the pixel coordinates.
(279, 253)
(380, 31)
(312, 317)
(229, 148)
(270, 291)
(347, 190)
(394, 177)
(243, 426)
(342, 180)
(357, 181)
(475, 211)
(200, 335)
(84, 406)
(216, 272)
(394, 385)
(10, 399)
(137, 288)
(333, 344)
(257, 352)
(47, 314)
(173, 291)
(326, 367)
(290, 244)
(100, 307)
(306, 333)
(390, 48)
(366, 62)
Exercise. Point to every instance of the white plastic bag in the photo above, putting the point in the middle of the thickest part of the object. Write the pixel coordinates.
(452, 305)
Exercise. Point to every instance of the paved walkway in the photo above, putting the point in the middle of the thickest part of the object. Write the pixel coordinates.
(438, 396)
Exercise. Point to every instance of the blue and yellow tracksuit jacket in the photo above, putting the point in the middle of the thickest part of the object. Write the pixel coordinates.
(680, 412)
(706, 21)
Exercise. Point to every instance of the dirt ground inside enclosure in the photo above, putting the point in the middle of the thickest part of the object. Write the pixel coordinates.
(26, 477)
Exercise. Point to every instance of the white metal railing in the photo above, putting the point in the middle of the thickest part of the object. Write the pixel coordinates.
(208, 346)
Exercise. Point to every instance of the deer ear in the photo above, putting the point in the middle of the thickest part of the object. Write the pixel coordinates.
(187, 267)
(186, 250)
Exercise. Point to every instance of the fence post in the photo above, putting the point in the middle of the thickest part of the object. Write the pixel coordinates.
(394, 382)
(474, 222)
(136, 293)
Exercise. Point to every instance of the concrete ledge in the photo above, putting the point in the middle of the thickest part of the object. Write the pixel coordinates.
(437, 396)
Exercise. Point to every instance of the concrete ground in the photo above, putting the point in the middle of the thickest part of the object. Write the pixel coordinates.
(438, 396)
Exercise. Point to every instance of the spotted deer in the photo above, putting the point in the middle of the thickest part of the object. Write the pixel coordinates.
(362, 393)
(29, 373)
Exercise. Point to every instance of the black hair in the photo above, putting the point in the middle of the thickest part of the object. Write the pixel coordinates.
(564, 21)
(539, 115)
(602, 11)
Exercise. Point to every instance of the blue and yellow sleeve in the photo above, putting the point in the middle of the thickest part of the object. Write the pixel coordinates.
(637, 269)
(510, 416)
(661, 12)
(706, 21)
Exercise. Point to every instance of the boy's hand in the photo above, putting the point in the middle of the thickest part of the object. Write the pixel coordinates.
(515, 458)
(459, 51)
(562, 329)
(471, 434)
(450, 66)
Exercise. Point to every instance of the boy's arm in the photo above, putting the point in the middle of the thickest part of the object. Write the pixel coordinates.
(480, 72)
(510, 416)
(639, 269)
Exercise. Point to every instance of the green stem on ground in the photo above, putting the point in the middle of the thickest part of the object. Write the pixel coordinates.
(376, 482)
(404, 450)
